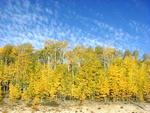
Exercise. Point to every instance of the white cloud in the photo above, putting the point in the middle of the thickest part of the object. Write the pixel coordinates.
(18, 24)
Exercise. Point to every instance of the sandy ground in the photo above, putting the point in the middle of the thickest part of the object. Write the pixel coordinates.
(86, 107)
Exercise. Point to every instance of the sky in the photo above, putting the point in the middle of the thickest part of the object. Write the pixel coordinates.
(121, 24)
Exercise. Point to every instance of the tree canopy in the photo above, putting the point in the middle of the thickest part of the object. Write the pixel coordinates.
(58, 72)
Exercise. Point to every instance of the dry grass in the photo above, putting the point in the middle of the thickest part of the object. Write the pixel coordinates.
(75, 107)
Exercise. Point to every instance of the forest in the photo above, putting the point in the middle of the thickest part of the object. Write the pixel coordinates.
(59, 72)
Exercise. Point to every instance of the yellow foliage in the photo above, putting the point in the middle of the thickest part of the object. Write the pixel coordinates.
(102, 87)
(25, 97)
(35, 102)
(14, 92)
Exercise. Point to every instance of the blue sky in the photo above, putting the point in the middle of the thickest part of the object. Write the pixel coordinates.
(122, 24)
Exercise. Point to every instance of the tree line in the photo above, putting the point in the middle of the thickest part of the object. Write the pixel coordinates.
(57, 72)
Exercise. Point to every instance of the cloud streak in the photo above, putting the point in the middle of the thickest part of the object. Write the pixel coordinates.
(33, 23)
